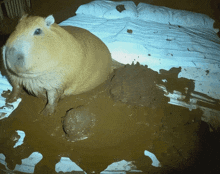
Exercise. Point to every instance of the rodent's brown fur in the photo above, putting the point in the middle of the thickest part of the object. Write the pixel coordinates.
(60, 61)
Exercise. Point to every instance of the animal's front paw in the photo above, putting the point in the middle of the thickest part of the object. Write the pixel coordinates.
(10, 96)
(11, 99)
(48, 110)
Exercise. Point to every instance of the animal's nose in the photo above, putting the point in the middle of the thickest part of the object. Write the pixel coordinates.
(13, 54)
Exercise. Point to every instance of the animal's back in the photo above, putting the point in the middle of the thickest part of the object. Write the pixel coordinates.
(96, 61)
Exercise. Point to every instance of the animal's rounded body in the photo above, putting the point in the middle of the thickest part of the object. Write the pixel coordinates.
(53, 61)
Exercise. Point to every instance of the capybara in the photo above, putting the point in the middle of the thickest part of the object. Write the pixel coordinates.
(52, 61)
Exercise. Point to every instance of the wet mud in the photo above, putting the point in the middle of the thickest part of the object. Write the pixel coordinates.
(127, 115)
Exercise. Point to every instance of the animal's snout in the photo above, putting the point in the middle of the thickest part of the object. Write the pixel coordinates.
(14, 59)
(14, 55)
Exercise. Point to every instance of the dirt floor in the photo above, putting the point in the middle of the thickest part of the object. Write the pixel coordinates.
(126, 115)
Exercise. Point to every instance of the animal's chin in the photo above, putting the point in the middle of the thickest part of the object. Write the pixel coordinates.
(27, 74)
(21, 72)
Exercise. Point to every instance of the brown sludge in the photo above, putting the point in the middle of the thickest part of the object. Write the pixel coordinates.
(77, 123)
(129, 114)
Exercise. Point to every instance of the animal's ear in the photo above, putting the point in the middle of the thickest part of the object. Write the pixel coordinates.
(24, 15)
(49, 20)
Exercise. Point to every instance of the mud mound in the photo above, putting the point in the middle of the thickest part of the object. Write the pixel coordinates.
(136, 85)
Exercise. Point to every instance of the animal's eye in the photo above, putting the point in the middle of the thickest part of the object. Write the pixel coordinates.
(38, 31)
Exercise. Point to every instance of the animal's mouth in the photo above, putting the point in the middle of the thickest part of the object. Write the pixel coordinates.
(24, 74)
(15, 71)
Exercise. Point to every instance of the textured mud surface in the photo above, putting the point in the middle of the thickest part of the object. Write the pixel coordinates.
(77, 123)
(136, 85)
(119, 126)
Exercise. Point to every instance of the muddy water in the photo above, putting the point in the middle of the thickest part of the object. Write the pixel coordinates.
(123, 129)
